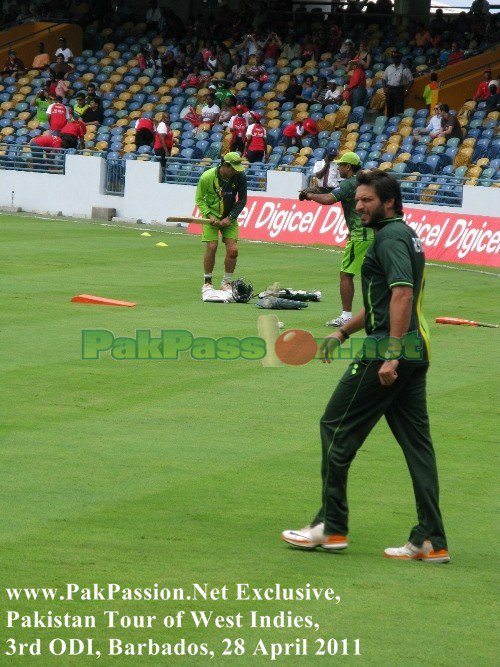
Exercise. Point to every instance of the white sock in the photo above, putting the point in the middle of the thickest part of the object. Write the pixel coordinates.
(227, 277)
(347, 315)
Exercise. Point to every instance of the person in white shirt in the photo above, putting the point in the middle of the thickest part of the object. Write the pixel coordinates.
(64, 51)
(210, 112)
(433, 128)
(327, 173)
(332, 95)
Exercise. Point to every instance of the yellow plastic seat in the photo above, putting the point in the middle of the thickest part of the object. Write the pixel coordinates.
(274, 123)
(429, 192)
(101, 145)
(306, 150)
(272, 106)
(125, 96)
(135, 88)
(143, 80)
(134, 115)
(349, 145)
(469, 142)
(122, 122)
(300, 160)
(129, 148)
(87, 77)
(302, 115)
(240, 85)
(302, 106)
(270, 115)
(474, 172)
(342, 116)
(463, 157)
(402, 157)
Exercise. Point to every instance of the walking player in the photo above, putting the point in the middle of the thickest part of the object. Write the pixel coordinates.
(360, 237)
(221, 195)
(391, 384)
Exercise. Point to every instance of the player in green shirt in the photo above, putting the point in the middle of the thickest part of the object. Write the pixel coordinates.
(221, 195)
(391, 384)
(360, 238)
(42, 103)
(80, 106)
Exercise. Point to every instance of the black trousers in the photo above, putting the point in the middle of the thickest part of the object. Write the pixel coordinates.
(255, 156)
(357, 404)
(143, 137)
(395, 100)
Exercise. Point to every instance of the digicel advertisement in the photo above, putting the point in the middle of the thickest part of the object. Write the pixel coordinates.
(448, 237)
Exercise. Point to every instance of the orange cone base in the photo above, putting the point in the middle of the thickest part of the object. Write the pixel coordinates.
(101, 301)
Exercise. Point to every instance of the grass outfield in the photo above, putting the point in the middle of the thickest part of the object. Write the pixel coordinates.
(136, 472)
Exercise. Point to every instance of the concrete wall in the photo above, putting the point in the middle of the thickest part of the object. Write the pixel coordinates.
(83, 187)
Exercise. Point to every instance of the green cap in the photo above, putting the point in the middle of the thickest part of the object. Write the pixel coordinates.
(349, 158)
(234, 159)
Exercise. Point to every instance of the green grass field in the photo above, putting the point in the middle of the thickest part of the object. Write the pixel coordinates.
(180, 472)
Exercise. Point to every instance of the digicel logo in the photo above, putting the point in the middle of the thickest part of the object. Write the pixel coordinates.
(446, 236)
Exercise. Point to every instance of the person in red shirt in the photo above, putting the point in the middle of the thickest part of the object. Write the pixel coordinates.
(58, 115)
(43, 147)
(311, 128)
(355, 90)
(483, 90)
(164, 139)
(255, 145)
(73, 133)
(238, 126)
(144, 132)
(455, 54)
(292, 134)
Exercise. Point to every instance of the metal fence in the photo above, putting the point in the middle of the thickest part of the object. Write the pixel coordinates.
(29, 157)
(32, 158)
(181, 171)
(115, 176)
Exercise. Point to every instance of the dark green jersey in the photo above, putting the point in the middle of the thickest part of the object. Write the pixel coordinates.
(345, 195)
(396, 257)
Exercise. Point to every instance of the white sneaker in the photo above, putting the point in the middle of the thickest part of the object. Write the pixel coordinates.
(226, 286)
(424, 553)
(338, 321)
(311, 537)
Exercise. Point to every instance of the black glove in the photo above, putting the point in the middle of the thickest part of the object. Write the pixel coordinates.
(242, 290)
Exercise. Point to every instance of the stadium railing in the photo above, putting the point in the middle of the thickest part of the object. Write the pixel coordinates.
(26, 157)
(181, 171)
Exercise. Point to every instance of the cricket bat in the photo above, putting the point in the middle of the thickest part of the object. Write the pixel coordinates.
(189, 219)
(269, 330)
(464, 323)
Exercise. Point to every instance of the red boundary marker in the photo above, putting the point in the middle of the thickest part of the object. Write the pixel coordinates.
(101, 301)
